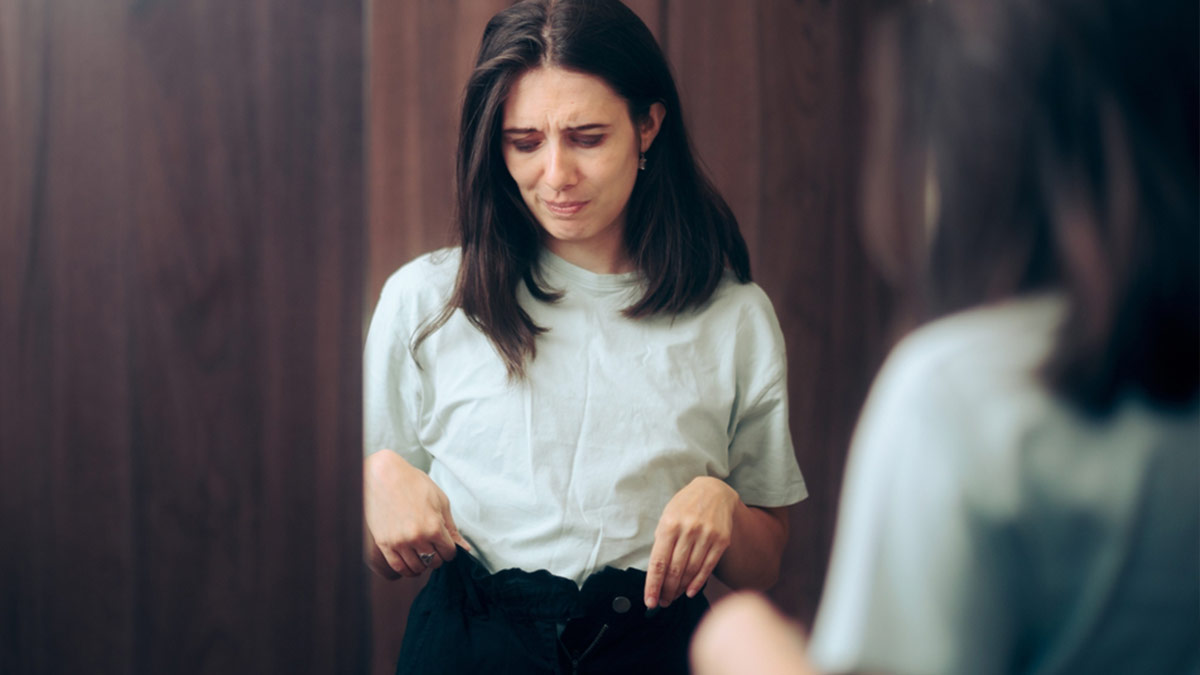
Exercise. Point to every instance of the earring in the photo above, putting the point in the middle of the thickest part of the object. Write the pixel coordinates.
(642, 161)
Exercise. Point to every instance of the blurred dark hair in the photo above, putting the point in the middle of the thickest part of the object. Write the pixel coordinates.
(679, 232)
(1063, 136)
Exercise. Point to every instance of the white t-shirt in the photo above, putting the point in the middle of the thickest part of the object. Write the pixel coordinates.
(569, 469)
(987, 527)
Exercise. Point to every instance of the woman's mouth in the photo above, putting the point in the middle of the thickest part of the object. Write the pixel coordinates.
(563, 209)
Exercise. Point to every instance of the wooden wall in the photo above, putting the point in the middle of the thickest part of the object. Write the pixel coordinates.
(181, 253)
(771, 96)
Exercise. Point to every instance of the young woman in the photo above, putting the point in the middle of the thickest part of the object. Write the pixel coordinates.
(579, 414)
(1023, 491)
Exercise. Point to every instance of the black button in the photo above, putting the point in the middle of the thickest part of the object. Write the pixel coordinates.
(621, 604)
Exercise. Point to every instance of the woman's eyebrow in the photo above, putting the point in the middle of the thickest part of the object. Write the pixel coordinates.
(530, 130)
(589, 127)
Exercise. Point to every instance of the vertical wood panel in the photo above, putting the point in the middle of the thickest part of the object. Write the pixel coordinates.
(64, 408)
(713, 48)
(421, 53)
(831, 305)
(179, 417)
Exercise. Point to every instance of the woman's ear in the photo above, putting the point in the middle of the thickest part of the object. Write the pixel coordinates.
(650, 124)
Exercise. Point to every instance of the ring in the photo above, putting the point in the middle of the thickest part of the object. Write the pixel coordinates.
(426, 558)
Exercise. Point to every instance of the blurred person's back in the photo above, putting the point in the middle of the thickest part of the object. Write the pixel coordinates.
(989, 526)
(1023, 493)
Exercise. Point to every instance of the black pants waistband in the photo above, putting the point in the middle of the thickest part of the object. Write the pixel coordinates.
(469, 620)
(609, 593)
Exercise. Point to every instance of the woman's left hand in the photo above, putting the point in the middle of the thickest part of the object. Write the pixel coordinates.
(693, 533)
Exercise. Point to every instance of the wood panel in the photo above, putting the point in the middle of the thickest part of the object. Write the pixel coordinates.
(721, 95)
(421, 53)
(832, 306)
(67, 553)
(180, 413)
(770, 92)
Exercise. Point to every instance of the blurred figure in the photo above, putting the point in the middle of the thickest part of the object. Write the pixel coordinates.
(1023, 489)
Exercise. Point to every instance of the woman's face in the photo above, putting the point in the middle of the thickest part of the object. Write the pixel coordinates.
(572, 149)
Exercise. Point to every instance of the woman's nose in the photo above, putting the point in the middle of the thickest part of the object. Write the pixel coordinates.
(560, 169)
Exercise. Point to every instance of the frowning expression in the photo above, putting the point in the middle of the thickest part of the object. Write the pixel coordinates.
(572, 148)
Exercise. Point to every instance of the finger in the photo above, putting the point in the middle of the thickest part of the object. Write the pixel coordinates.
(413, 560)
(444, 547)
(397, 562)
(435, 562)
(706, 570)
(430, 560)
(660, 557)
(672, 587)
(695, 563)
(455, 537)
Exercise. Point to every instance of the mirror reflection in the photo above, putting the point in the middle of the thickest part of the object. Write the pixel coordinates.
(576, 415)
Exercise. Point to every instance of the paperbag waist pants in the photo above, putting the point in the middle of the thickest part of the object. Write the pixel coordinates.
(467, 620)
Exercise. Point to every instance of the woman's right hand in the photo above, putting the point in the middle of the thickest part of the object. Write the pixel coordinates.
(407, 516)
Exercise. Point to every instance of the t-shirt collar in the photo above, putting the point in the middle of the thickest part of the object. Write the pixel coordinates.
(558, 271)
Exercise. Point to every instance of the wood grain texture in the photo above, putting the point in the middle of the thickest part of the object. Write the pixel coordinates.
(831, 305)
(421, 53)
(713, 49)
(66, 518)
(770, 90)
(181, 426)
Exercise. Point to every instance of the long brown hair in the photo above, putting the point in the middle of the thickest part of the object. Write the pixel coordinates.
(1063, 135)
(679, 233)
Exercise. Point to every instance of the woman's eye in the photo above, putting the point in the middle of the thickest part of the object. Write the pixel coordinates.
(524, 146)
(589, 141)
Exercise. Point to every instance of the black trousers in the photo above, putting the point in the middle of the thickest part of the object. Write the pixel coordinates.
(466, 620)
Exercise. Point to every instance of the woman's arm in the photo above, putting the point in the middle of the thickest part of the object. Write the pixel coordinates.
(756, 551)
(706, 528)
(407, 518)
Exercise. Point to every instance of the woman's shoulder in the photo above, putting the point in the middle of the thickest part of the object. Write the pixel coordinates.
(972, 372)
(740, 298)
(435, 268)
(964, 394)
(429, 275)
(980, 346)
(420, 288)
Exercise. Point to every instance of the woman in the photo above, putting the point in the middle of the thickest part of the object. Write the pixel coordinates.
(580, 414)
(1022, 492)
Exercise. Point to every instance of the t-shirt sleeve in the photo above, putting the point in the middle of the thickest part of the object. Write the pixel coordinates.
(762, 458)
(391, 378)
(916, 582)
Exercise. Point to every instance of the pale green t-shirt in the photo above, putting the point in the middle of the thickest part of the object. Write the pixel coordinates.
(988, 527)
(569, 469)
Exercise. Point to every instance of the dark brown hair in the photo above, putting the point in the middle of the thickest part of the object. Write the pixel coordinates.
(679, 233)
(1064, 140)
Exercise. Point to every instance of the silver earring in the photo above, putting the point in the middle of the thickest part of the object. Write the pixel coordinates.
(642, 161)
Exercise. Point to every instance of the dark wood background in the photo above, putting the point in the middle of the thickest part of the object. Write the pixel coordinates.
(772, 99)
(182, 234)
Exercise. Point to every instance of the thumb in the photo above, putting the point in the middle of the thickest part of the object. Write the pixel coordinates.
(453, 529)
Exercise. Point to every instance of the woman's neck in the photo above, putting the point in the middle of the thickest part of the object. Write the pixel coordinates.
(606, 259)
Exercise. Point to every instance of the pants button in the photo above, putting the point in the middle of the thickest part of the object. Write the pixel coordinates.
(621, 604)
